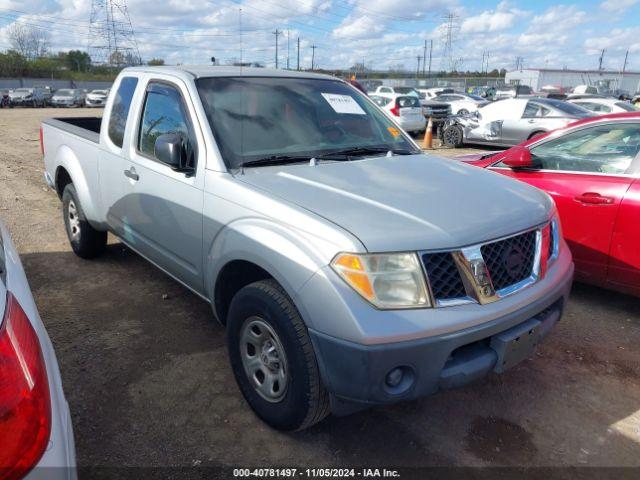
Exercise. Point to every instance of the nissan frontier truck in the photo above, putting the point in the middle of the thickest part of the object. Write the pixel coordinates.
(349, 268)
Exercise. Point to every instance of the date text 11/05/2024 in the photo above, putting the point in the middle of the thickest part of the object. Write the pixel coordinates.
(315, 472)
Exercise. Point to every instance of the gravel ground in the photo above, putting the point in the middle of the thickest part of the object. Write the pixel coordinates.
(146, 375)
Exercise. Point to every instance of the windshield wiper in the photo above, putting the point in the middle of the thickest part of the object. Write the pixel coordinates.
(358, 151)
(276, 160)
(338, 155)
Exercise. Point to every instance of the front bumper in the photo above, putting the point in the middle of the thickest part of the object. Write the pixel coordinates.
(355, 374)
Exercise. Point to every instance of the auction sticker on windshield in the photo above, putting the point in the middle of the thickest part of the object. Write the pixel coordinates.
(343, 103)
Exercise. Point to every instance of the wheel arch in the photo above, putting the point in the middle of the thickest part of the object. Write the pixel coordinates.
(250, 250)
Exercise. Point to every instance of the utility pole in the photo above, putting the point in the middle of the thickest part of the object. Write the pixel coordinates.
(424, 57)
(430, 55)
(298, 53)
(601, 59)
(277, 33)
(419, 57)
(482, 68)
(313, 55)
(626, 56)
(487, 68)
(287, 49)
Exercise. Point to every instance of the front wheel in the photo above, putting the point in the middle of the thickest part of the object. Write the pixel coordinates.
(452, 136)
(273, 359)
(85, 241)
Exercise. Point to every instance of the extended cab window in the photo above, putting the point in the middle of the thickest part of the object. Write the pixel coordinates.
(163, 113)
(120, 109)
(602, 149)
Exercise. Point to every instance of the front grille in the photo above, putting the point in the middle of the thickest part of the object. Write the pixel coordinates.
(443, 276)
(510, 261)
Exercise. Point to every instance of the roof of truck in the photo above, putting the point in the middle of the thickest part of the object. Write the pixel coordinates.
(200, 71)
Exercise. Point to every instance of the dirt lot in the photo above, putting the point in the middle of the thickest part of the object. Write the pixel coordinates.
(146, 375)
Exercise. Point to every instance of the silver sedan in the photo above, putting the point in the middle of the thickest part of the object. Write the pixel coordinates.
(35, 426)
(510, 122)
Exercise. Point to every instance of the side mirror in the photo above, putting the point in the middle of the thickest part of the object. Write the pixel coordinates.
(169, 148)
(519, 158)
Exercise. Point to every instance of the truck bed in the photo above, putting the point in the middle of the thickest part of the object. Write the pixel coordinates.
(85, 127)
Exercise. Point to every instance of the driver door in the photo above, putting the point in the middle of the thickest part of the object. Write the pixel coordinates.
(587, 174)
(163, 207)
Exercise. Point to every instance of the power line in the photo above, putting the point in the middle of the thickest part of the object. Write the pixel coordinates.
(277, 34)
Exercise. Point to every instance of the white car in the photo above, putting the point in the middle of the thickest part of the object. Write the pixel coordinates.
(96, 98)
(391, 92)
(432, 93)
(404, 109)
(462, 103)
(36, 436)
(602, 106)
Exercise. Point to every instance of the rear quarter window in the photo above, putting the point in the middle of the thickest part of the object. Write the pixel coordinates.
(120, 109)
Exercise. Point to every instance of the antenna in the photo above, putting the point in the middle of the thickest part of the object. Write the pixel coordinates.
(111, 37)
(240, 33)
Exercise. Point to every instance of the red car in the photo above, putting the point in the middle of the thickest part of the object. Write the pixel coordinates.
(591, 168)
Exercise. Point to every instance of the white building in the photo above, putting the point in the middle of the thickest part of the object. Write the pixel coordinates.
(537, 78)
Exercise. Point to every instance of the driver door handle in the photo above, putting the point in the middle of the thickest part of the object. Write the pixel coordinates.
(594, 198)
(131, 173)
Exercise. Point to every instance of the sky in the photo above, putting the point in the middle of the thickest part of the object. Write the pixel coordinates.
(381, 33)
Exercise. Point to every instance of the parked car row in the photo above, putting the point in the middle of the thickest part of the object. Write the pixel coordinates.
(45, 96)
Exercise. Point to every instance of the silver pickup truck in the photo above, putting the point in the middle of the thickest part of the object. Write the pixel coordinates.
(349, 268)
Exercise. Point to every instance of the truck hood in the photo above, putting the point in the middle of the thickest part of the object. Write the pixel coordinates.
(415, 202)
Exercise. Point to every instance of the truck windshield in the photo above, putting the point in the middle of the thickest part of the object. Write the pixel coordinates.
(257, 118)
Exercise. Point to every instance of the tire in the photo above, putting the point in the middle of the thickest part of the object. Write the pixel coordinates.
(85, 241)
(303, 400)
(463, 111)
(452, 136)
(534, 134)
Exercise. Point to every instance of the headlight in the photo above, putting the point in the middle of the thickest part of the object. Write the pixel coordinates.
(387, 281)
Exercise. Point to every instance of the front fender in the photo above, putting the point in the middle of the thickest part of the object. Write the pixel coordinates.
(289, 255)
(67, 159)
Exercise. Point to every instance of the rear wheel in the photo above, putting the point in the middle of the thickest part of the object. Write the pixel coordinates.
(85, 241)
(535, 134)
(452, 136)
(273, 359)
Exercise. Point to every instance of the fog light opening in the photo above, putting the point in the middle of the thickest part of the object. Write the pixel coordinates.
(399, 380)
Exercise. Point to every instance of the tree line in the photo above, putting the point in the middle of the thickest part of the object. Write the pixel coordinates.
(30, 56)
